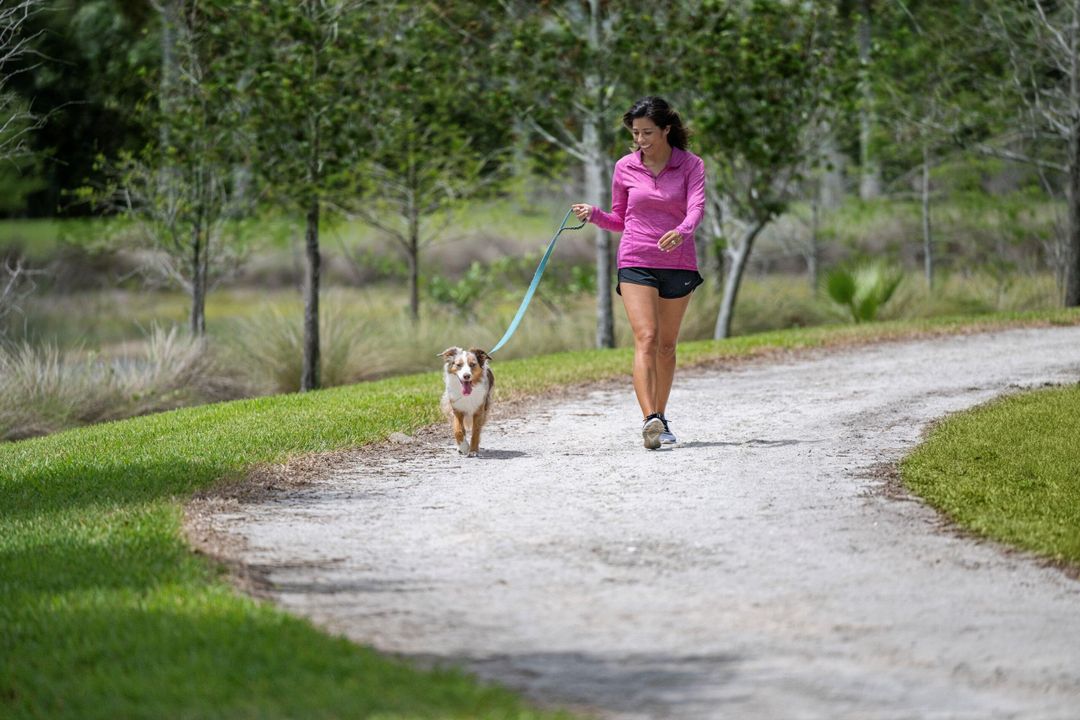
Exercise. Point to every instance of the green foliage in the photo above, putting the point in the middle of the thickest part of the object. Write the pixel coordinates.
(863, 289)
(304, 70)
(840, 284)
(762, 74)
(440, 134)
(574, 82)
(17, 184)
(933, 106)
(464, 292)
(1007, 470)
(86, 73)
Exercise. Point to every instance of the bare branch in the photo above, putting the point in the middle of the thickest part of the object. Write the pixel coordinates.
(1004, 154)
(15, 288)
(569, 144)
(374, 220)
(1048, 26)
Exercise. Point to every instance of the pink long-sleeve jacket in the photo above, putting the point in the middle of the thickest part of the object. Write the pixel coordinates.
(645, 206)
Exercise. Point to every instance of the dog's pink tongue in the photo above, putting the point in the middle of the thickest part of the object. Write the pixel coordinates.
(466, 387)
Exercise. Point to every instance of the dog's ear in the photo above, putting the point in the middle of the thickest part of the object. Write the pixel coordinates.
(481, 356)
(449, 353)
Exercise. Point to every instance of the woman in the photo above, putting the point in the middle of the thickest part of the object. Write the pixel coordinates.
(657, 200)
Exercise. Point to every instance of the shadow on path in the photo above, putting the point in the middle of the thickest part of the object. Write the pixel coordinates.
(654, 683)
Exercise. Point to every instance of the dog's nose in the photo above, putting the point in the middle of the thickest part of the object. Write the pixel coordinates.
(466, 376)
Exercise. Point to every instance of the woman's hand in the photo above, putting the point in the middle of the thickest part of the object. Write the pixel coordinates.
(581, 211)
(670, 240)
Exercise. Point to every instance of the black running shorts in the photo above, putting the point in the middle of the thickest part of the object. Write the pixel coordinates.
(670, 284)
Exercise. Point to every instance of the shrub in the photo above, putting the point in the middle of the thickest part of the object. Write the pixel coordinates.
(863, 289)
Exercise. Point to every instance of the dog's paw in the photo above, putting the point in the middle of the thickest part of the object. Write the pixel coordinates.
(463, 448)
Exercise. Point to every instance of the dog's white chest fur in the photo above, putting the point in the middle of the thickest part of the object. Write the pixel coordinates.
(461, 402)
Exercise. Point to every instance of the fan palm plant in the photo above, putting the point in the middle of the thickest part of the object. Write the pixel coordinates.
(863, 289)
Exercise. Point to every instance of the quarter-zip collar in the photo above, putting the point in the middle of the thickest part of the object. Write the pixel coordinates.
(676, 159)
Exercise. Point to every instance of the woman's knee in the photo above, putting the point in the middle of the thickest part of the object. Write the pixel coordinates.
(665, 348)
(647, 340)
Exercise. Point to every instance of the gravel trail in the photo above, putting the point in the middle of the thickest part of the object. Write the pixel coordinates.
(760, 569)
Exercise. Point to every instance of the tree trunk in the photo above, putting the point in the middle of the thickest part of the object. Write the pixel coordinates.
(740, 257)
(309, 376)
(870, 174)
(928, 244)
(814, 252)
(595, 195)
(168, 12)
(596, 188)
(831, 193)
(1072, 269)
(199, 268)
(414, 263)
(309, 379)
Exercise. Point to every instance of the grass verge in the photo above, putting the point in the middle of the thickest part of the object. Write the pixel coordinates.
(1009, 470)
(105, 612)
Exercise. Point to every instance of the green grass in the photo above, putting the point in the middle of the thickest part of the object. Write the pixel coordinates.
(1009, 470)
(105, 612)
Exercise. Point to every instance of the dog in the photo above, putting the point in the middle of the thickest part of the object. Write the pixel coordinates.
(469, 385)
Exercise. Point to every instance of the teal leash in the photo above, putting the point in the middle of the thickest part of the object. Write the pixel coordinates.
(535, 282)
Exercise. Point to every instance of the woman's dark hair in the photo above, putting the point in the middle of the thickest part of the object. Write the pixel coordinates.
(657, 110)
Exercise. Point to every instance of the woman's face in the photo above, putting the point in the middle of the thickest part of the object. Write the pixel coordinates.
(651, 139)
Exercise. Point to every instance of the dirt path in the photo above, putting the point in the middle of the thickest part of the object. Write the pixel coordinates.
(757, 570)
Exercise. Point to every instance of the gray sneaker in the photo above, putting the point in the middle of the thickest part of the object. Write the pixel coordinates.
(651, 430)
(667, 437)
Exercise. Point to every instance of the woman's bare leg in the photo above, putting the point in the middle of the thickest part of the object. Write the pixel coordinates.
(642, 305)
(670, 316)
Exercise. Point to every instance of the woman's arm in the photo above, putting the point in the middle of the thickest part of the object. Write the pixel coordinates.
(615, 219)
(695, 199)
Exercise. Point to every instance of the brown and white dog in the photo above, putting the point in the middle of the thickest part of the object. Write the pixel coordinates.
(469, 384)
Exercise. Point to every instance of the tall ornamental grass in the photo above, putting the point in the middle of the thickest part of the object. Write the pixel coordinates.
(44, 389)
(369, 339)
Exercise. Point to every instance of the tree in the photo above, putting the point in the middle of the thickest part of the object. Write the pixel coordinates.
(930, 106)
(308, 63)
(181, 190)
(16, 281)
(1043, 80)
(763, 71)
(869, 168)
(442, 131)
(583, 77)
